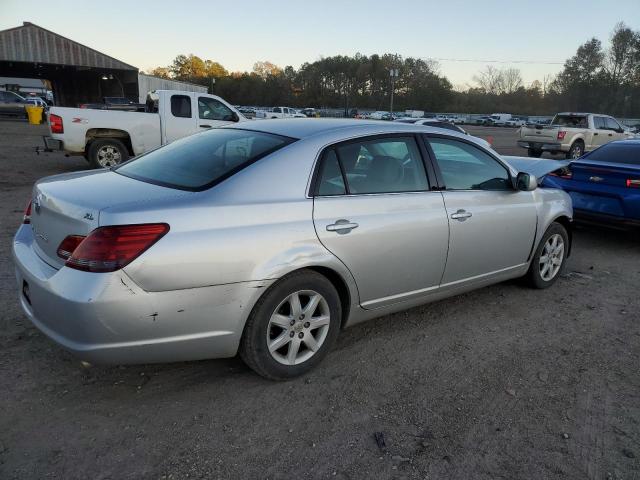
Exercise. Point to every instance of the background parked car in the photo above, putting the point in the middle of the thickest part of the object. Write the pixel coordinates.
(12, 104)
(571, 133)
(279, 112)
(604, 184)
(379, 115)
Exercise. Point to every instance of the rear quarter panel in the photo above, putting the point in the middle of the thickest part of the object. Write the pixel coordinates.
(143, 128)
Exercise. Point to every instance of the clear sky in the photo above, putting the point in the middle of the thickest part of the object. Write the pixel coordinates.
(238, 33)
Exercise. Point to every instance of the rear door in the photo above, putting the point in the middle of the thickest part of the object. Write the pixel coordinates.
(179, 117)
(213, 113)
(601, 135)
(492, 225)
(374, 211)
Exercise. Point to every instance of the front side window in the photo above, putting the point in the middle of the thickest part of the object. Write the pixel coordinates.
(598, 123)
(611, 124)
(466, 167)
(212, 109)
(200, 161)
(181, 106)
(383, 165)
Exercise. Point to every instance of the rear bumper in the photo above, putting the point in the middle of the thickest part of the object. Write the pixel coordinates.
(107, 318)
(544, 146)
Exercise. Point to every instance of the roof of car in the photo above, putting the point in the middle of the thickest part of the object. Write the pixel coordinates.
(307, 127)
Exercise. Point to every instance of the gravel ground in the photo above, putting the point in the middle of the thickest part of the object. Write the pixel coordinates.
(503, 382)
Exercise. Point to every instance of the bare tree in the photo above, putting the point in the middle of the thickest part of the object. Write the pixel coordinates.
(511, 80)
(489, 80)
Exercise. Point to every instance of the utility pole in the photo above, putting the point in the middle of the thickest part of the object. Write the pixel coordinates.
(393, 73)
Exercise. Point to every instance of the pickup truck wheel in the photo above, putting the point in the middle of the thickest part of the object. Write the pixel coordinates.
(107, 152)
(534, 153)
(576, 150)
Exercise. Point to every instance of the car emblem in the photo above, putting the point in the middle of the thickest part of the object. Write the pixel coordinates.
(596, 179)
(36, 203)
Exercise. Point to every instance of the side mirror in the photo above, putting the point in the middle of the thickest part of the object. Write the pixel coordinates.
(526, 182)
(235, 117)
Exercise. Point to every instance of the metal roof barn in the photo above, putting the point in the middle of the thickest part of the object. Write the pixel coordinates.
(77, 73)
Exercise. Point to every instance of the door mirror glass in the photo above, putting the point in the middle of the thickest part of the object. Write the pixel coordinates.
(526, 182)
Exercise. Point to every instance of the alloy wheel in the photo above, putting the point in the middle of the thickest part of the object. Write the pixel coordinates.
(551, 257)
(108, 156)
(298, 327)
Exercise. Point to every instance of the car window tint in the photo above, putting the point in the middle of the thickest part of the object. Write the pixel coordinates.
(571, 121)
(202, 160)
(212, 109)
(383, 166)
(330, 177)
(181, 106)
(617, 153)
(466, 167)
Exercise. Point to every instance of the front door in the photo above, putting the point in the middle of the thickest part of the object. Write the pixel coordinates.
(492, 225)
(213, 113)
(374, 211)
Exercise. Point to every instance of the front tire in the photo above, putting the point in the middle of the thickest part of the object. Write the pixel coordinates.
(549, 258)
(292, 327)
(107, 153)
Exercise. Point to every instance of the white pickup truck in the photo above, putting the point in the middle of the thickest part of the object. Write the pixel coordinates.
(108, 137)
(571, 133)
(279, 112)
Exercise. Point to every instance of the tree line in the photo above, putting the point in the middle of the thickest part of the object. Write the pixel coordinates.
(597, 78)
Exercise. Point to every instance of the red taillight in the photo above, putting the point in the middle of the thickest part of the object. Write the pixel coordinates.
(561, 135)
(26, 218)
(564, 172)
(633, 183)
(55, 123)
(107, 249)
(68, 246)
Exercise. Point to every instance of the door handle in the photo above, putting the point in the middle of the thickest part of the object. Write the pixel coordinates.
(595, 134)
(611, 134)
(205, 126)
(461, 215)
(341, 226)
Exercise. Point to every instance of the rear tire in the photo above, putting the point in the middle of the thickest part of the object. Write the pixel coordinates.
(284, 337)
(576, 150)
(107, 152)
(534, 153)
(549, 258)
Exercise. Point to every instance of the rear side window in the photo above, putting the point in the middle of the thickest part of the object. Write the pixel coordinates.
(383, 165)
(331, 180)
(617, 153)
(200, 161)
(181, 106)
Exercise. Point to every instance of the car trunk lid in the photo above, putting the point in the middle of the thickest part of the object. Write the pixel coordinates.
(603, 173)
(70, 204)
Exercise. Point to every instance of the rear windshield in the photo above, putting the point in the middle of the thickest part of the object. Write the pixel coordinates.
(617, 153)
(203, 160)
(574, 121)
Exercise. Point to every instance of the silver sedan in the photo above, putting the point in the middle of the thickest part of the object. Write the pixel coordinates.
(269, 239)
